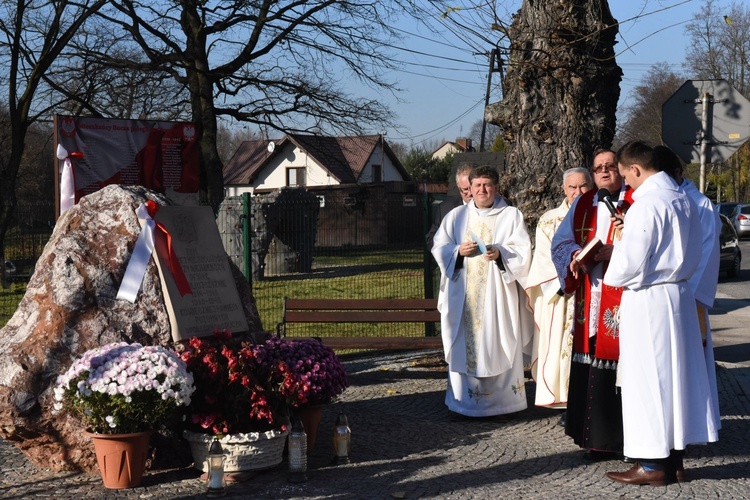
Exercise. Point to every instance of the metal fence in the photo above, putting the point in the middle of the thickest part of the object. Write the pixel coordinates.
(341, 242)
(24, 241)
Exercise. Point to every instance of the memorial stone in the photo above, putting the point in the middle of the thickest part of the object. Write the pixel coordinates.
(213, 302)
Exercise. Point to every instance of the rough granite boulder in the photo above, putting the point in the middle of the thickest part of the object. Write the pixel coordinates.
(70, 307)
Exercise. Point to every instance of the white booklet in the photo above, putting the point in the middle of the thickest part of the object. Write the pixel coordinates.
(476, 239)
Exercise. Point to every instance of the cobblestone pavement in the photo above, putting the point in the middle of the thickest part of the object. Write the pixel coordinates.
(406, 444)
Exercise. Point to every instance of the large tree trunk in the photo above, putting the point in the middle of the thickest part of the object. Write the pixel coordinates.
(201, 86)
(559, 100)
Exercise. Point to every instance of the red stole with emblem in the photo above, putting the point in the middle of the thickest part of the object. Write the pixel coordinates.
(607, 341)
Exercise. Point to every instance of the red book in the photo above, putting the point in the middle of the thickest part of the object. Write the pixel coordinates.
(586, 256)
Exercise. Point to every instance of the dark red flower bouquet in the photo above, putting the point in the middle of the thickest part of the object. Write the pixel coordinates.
(318, 376)
(242, 387)
(238, 388)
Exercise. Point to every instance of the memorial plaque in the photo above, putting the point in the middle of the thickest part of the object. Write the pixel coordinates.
(213, 302)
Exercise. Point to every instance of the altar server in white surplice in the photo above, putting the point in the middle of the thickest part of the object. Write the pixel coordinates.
(553, 310)
(704, 281)
(666, 398)
(486, 324)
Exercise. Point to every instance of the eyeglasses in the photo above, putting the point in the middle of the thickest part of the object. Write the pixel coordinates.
(605, 167)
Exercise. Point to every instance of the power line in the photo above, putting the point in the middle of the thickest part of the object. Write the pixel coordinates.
(442, 127)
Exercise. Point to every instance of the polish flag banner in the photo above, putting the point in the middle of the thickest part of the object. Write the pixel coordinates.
(160, 155)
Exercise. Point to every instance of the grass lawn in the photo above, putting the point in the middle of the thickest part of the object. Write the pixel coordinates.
(9, 299)
(358, 274)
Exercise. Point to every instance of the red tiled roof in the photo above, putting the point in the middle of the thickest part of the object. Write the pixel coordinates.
(245, 161)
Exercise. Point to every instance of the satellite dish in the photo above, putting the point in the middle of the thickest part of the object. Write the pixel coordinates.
(271, 147)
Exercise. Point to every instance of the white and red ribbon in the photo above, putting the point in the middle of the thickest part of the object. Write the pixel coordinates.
(67, 180)
(144, 247)
(136, 269)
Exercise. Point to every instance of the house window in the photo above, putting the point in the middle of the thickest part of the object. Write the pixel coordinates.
(295, 176)
(377, 173)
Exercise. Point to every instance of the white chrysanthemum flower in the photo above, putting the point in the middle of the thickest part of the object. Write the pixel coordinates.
(111, 421)
(119, 370)
(59, 393)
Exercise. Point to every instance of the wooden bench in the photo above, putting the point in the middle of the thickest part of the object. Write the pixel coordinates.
(364, 311)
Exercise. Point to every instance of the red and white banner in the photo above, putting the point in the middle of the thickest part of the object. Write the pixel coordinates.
(162, 156)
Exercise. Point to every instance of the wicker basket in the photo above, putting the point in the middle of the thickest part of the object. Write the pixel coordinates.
(244, 452)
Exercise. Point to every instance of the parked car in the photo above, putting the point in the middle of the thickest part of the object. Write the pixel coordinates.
(741, 219)
(730, 253)
(725, 208)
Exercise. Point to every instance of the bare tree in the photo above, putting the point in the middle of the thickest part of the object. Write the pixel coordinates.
(275, 64)
(560, 96)
(399, 149)
(229, 139)
(490, 135)
(36, 179)
(101, 88)
(720, 44)
(32, 36)
(719, 49)
(643, 114)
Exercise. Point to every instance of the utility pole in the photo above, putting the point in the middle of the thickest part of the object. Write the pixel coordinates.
(494, 58)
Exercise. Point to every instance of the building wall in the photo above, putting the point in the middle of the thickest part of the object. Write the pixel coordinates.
(274, 175)
(237, 190)
(390, 172)
(444, 150)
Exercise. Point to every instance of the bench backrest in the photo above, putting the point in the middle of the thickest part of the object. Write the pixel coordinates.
(360, 310)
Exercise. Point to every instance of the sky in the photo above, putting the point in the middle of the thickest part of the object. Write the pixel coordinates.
(444, 75)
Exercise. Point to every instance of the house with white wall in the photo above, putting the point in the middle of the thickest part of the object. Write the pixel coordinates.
(461, 145)
(300, 160)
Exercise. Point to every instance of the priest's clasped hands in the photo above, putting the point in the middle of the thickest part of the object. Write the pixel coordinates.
(469, 248)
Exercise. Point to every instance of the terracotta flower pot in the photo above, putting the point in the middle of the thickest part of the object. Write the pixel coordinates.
(121, 458)
(310, 417)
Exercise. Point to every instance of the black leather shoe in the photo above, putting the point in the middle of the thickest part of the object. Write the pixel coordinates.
(628, 460)
(677, 473)
(676, 467)
(562, 420)
(638, 475)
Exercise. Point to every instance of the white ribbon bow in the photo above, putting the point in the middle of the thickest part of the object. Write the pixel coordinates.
(136, 269)
(67, 181)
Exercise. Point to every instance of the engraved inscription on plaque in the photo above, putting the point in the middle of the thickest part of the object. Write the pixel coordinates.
(213, 302)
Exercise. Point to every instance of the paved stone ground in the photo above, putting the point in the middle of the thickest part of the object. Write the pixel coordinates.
(406, 444)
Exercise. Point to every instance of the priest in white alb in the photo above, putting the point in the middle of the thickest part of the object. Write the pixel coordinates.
(553, 310)
(483, 251)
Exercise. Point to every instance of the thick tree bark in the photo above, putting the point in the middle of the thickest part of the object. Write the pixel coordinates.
(201, 85)
(560, 97)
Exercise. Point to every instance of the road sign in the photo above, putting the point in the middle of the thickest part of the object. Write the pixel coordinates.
(727, 117)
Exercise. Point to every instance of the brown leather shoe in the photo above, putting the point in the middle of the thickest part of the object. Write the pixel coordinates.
(638, 475)
(680, 476)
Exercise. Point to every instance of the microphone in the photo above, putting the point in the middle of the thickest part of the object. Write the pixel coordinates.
(605, 197)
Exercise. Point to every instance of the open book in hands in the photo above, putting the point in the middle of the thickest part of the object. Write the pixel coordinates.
(585, 257)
